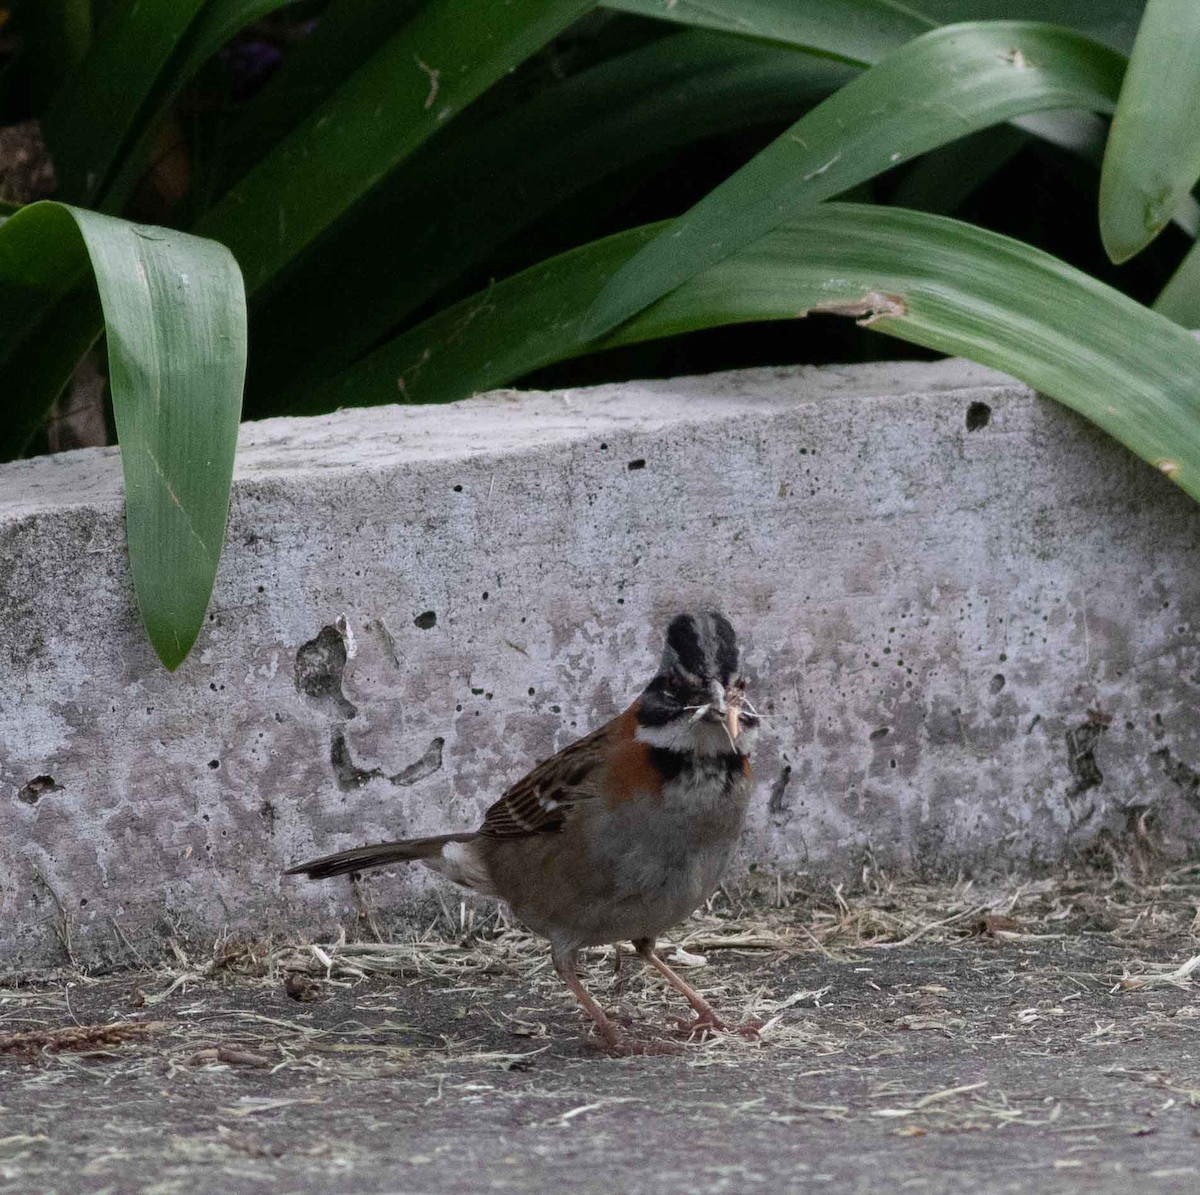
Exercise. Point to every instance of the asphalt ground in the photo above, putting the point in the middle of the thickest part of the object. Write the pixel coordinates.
(1038, 1036)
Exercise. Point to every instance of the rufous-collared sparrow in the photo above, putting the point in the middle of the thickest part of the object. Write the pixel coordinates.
(622, 833)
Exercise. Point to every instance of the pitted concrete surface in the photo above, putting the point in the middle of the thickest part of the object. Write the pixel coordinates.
(973, 619)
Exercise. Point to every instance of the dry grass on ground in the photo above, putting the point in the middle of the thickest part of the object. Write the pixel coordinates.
(1011, 1032)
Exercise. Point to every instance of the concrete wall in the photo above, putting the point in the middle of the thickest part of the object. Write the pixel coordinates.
(974, 620)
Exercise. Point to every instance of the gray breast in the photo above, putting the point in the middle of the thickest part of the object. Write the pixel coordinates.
(659, 860)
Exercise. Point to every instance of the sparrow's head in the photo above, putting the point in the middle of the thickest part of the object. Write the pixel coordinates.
(697, 699)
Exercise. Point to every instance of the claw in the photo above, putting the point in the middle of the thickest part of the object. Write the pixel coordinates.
(704, 1026)
(631, 1047)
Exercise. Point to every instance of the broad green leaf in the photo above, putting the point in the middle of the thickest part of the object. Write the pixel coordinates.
(864, 31)
(931, 91)
(1179, 300)
(449, 53)
(1112, 21)
(475, 187)
(1153, 155)
(99, 110)
(175, 317)
(1080, 133)
(855, 31)
(927, 279)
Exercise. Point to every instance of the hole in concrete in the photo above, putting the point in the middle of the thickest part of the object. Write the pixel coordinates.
(1081, 757)
(638, 464)
(430, 762)
(425, 621)
(458, 489)
(996, 683)
(979, 415)
(881, 733)
(320, 666)
(349, 776)
(778, 801)
(345, 772)
(37, 788)
(1179, 773)
(214, 764)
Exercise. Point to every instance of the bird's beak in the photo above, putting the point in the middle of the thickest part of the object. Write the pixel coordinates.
(726, 707)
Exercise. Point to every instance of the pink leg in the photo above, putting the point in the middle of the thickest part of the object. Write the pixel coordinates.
(617, 1042)
(706, 1015)
(564, 964)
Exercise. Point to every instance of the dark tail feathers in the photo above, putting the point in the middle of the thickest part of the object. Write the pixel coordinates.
(383, 853)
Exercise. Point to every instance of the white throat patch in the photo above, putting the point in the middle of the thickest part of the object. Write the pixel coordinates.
(698, 738)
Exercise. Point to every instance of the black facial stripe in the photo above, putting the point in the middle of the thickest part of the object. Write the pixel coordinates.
(735, 769)
(727, 652)
(683, 637)
(669, 763)
(701, 646)
(656, 713)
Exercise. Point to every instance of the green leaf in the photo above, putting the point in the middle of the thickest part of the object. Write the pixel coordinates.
(1153, 155)
(864, 31)
(175, 316)
(854, 31)
(100, 109)
(418, 80)
(926, 279)
(1113, 22)
(480, 184)
(931, 91)
(1179, 300)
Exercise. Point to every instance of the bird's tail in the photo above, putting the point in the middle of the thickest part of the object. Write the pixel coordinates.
(426, 850)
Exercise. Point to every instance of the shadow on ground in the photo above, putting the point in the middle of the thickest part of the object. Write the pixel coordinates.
(1028, 1038)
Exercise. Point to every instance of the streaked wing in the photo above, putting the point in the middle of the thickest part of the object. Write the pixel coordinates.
(540, 802)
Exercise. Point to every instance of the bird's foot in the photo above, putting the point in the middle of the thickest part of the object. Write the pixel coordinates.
(627, 1046)
(617, 1042)
(706, 1025)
